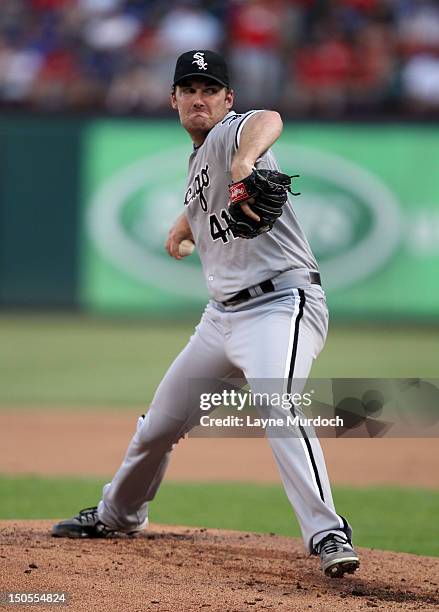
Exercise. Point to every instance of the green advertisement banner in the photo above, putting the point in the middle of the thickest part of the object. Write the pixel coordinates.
(369, 206)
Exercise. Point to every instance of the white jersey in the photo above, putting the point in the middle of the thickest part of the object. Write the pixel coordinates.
(232, 264)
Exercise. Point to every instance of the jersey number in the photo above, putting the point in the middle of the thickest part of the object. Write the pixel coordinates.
(217, 231)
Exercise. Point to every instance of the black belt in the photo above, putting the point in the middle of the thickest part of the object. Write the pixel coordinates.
(266, 287)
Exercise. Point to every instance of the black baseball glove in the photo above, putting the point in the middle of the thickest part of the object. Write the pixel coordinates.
(269, 190)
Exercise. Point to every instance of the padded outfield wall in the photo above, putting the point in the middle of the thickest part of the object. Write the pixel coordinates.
(85, 206)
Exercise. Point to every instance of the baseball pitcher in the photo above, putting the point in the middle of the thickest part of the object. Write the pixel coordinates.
(266, 318)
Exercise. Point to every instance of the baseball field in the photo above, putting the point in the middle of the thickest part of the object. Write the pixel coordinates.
(222, 534)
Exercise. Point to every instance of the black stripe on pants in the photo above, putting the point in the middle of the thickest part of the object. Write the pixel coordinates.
(290, 381)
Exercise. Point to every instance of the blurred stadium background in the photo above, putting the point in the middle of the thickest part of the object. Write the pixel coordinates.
(333, 58)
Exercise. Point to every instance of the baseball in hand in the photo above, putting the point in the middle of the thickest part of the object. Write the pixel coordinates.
(185, 248)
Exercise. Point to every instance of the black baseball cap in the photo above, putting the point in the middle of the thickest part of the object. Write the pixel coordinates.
(203, 63)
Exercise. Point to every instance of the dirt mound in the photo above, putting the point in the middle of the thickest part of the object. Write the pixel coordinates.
(177, 569)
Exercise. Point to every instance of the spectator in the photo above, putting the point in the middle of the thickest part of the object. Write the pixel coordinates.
(188, 26)
(418, 27)
(256, 45)
(373, 68)
(420, 82)
(321, 72)
(18, 71)
(111, 33)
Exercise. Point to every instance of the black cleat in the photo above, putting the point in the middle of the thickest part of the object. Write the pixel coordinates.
(86, 524)
(337, 556)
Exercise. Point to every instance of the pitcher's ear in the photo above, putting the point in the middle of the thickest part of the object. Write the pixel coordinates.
(230, 96)
(174, 100)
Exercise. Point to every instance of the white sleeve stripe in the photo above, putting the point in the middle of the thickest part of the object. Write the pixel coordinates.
(242, 123)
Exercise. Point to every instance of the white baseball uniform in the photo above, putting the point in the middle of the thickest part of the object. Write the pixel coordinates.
(275, 334)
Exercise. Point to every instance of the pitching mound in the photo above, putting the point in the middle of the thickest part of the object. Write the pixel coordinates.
(177, 569)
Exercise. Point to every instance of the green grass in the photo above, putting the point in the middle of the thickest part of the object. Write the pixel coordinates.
(76, 360)
(389, 518)
(83, 361)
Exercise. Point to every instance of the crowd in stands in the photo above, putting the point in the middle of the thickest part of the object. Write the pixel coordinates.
(306, 58)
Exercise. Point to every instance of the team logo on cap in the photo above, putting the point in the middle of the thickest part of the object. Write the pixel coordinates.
(200, 61)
